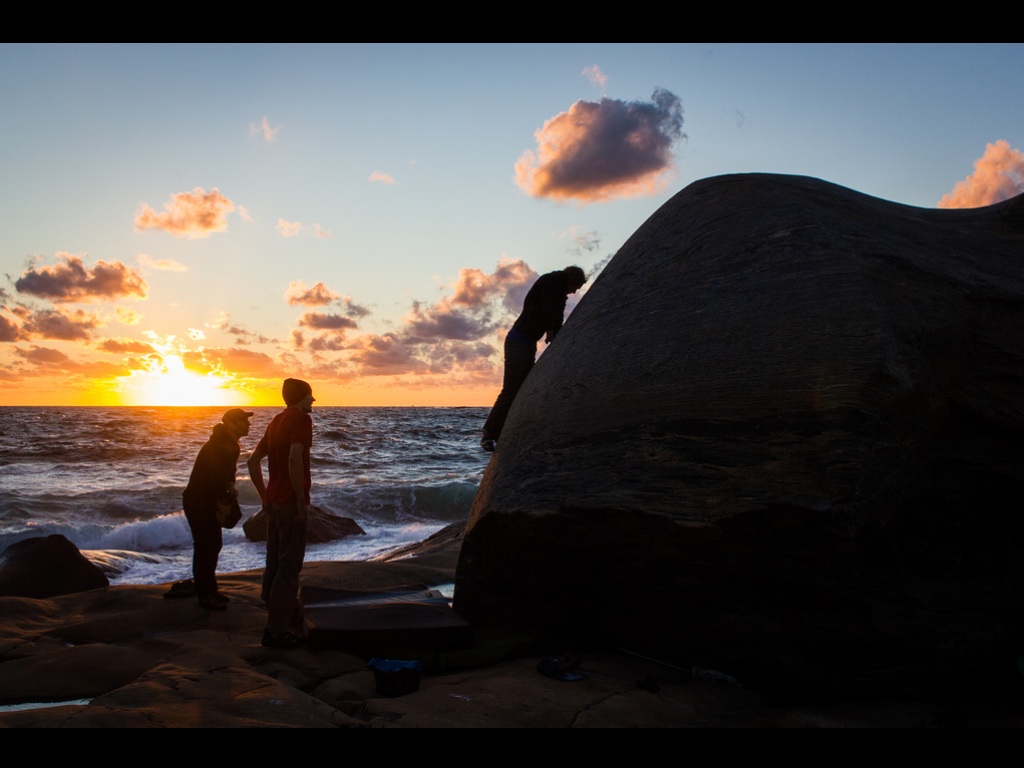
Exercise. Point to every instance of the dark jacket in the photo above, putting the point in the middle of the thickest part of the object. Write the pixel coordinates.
(544, 307)
(213, 472)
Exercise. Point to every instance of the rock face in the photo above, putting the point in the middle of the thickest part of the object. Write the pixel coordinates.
(47, 566)
(320, 527)
(781, 436)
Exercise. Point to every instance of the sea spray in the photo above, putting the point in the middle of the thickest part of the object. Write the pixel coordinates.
(110, 480)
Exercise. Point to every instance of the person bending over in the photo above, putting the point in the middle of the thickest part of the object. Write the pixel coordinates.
(543, 314)
(212, 482)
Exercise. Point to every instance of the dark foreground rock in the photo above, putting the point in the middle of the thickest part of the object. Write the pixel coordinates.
(46, 566)
(781, 436)
(321, 526)
(124, 657)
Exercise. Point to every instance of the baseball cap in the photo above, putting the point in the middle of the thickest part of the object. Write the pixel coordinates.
(235, 414)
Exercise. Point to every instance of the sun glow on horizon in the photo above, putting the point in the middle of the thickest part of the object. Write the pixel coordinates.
(171, 383)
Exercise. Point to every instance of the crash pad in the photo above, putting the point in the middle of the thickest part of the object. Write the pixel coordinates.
(374, 622)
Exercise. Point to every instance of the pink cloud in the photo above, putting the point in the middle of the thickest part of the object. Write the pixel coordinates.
(604, 150)
(998, 175)
(263, 129)
(595, 75)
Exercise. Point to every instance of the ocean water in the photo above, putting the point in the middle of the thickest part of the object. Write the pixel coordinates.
(110, 480)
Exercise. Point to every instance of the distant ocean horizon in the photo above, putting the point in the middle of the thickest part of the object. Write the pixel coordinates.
(109, 478)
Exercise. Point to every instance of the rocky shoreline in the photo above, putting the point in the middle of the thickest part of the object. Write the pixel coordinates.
(123, 656)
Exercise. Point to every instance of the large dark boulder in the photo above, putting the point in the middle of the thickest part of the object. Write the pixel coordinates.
(781, 436)
(321, 526)
(47, 566)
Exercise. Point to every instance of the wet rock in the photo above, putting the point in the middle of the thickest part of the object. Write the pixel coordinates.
(47, 566)
(321, 526)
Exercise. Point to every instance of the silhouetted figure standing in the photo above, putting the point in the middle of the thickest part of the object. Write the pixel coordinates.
(542, 315)
(285, 445)
(211, 482)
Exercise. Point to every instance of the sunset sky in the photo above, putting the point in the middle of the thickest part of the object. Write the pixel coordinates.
(190, 224)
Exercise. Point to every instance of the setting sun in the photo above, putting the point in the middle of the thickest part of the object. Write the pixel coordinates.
(171, 383)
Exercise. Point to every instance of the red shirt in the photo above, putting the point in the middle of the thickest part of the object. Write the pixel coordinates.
(289, 426)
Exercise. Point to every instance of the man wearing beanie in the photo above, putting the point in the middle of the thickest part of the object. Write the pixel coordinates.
(285, 445)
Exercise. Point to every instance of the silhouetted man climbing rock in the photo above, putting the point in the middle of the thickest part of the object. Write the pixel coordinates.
(542, 315)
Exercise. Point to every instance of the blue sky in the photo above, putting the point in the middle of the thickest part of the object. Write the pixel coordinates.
(193, 223)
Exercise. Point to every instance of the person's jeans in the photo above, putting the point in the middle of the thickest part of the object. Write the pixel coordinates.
(207, 540)
(519, 360)
(286, 551)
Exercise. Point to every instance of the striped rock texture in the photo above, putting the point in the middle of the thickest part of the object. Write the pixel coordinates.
(781, 436)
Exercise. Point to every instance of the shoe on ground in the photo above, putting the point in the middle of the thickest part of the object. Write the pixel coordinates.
(286, 640)
(487, 444)
(212, 604)
(220, 597)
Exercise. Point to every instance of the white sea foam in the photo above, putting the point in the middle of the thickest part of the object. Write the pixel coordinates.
(110, 480)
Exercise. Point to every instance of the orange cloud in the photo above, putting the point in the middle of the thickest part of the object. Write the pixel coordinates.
(123, 346)
(998, 175)
(386, 356)
(514, 279)
(599, 151)
(327, 343)
(9, 330)
(317, 296)
(320, 295)
(448, 343)
(241, 335)
(240, 362)
(72, 281)
(326, 322)
(289, 228)
(46, 362)
(383, 178)
(58, 324)
(449, 338)
(128, 316)
(194, 214)
(468, 314)
(164, 264)
(43, 356)
(473, 286)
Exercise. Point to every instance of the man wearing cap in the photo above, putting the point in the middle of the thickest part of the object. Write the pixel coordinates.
(285, 445)
(212, 481)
